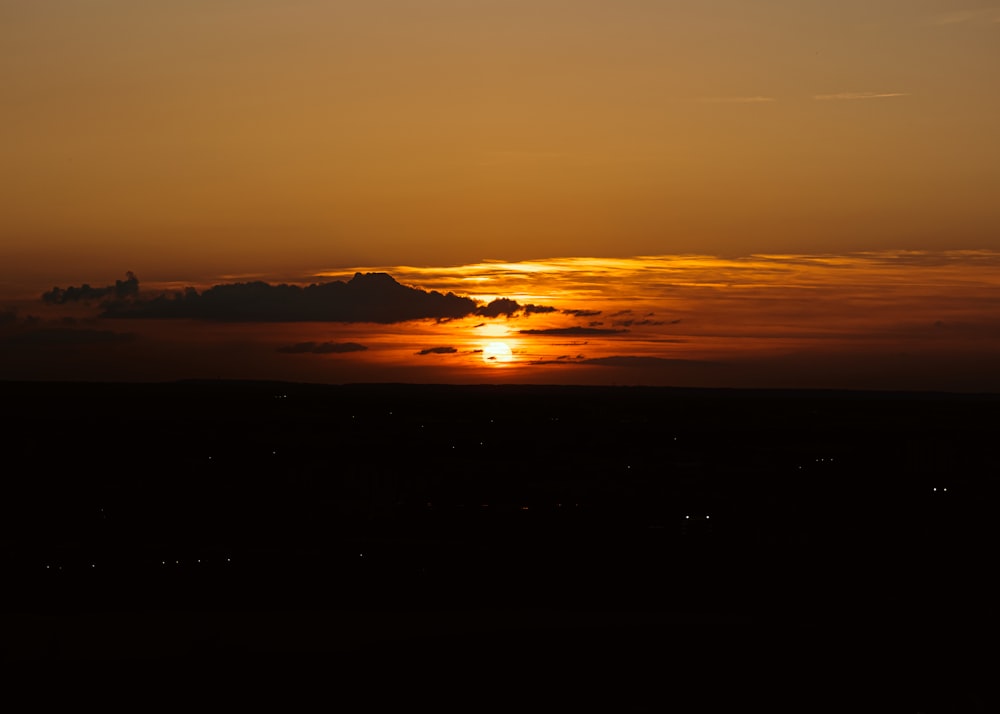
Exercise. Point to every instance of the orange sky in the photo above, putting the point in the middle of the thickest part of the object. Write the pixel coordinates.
(877, 320)
(195, 142)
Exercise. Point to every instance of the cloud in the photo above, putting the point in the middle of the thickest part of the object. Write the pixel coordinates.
(573, 331)
(582, 313)
(438, 351)
(321, 348)
(533, 309)
(630, 323)
(122, 289)
(841, 96)
(368, 297)
(498, 307)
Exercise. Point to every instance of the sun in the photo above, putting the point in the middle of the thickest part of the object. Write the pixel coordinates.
(497, 352)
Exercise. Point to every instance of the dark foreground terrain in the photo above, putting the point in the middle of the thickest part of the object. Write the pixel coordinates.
(481, 548)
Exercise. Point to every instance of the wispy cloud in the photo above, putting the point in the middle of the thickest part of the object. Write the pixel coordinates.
(858, 95)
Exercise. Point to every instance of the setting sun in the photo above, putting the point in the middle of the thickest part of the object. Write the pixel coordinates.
(497, 352)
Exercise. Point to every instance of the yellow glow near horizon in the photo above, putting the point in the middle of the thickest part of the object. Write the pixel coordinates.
(497, 352)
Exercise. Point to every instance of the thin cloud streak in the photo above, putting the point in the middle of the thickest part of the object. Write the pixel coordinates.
(842, 96)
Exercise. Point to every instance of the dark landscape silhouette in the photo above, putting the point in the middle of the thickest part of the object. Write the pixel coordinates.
(700, 540)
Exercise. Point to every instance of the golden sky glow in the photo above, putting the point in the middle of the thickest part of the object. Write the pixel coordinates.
(805, 175)
(239, 136)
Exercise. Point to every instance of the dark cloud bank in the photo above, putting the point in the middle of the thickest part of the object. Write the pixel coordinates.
(368, 297)
(121, 290)
(573, 331)
(322, 348)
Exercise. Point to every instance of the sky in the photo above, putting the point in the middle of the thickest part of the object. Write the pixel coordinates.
(779, 193)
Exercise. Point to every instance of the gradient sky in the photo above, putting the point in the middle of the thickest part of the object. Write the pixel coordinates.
(204, 142)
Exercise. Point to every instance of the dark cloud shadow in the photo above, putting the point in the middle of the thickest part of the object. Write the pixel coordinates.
(322, 348)
(499, 307)
(438, 351)
(564, 331)
(121, 290)
(637, 323)
(368, 297)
